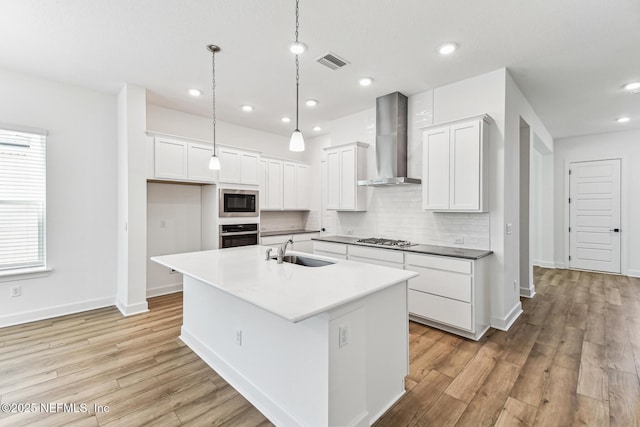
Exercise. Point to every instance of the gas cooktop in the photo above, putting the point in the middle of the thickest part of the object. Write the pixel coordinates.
(384, 242)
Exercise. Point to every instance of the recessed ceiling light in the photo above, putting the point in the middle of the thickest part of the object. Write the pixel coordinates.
(297, 48)
(633, 86)
(247, 108)
(311, 102)
(317, 128)
(447, 48)
(623, 119)
(365, 81)
(286, 119)
(195, 92)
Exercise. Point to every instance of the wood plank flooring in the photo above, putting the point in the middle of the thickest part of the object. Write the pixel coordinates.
(573, 358)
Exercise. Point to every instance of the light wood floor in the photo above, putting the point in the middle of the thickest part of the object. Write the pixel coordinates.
(572, 358)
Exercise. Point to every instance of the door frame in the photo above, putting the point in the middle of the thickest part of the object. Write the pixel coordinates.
(624, 208)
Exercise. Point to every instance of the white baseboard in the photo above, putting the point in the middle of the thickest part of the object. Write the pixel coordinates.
(561, 265)
(164, 290)
(50, 312)
(633, 273)
(544, 264)
(262, 402)
(505, 323)
(132, 309)
(528, 292)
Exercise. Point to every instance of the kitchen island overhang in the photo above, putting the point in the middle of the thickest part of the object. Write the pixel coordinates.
(305, 345)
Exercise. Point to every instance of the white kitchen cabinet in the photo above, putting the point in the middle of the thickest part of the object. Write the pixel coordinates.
(346, 164)
(181, 160)
(384, 257)
(455, 165)
(238, 166)
(334, 250)
(301, 241)
(284, 185)
(449, 293)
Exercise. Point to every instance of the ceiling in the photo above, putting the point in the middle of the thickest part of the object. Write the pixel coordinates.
(570, 58)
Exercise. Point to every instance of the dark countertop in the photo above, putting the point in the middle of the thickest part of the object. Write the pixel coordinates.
(285, 232)
(420, 249)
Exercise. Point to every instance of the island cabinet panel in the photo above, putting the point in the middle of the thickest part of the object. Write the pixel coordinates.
(342, 367)
(449, 293)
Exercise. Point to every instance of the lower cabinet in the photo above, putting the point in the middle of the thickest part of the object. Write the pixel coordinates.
(384, 257)
(334, 250)
(449, 293)
(301, 241)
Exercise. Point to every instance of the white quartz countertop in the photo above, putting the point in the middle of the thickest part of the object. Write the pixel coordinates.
(291, 291)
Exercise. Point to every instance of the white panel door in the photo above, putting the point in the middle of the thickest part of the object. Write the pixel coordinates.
(289, 186)
(348, 178)
(302, 187)
(333, 180)
(274, 184)
(594, 215)
(198, 158)
(464, 184)
(435, 177)
(249, 168)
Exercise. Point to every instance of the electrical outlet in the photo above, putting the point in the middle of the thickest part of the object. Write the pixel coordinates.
(15, 291)
(343, 336)
(509, 228)
(459, 241)
(239, 337)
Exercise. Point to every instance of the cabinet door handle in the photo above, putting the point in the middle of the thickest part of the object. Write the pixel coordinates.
(615, 230)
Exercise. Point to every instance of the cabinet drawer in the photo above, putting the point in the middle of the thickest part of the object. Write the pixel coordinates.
(301, 237)
(442, 310)
(374, 261)
(274, 240)
(336, 248)
(442, 263)
(377, 254)
(443, 283)
(330, 254)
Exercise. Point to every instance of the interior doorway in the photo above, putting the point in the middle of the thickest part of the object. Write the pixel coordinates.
(594, 215)
(527, 288)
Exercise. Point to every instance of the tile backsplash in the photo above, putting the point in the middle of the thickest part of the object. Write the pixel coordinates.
(396, 213)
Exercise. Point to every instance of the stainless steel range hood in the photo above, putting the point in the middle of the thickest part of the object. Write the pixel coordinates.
(391, 142)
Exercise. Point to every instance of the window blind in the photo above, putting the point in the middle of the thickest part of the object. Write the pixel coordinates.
(22, 199)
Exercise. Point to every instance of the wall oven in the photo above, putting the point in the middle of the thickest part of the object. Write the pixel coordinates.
(233, 235)
(238, 203)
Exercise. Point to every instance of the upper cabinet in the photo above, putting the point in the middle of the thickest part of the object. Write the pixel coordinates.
(346, 164)
(284, 185)
(238, 166)
(181, 160)
(455, 165)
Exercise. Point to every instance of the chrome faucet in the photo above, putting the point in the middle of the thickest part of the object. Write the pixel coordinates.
(282, 250)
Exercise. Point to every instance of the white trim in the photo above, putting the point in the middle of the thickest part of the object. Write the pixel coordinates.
(24, 274)
(505, 323)
(560, 265)
(276, 414)
(164, 290)
(25, 129)
(544, 264)
(56, 311)
(133, 309)
(633, 273)
(528, 292)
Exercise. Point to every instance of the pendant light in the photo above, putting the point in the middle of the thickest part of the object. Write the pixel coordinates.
(214, 163)
(297, 141)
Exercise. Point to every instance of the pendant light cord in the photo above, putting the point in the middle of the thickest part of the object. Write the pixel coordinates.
(213, 98)
(297, 62)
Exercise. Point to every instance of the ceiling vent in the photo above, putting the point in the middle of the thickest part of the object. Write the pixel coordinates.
(331, 60)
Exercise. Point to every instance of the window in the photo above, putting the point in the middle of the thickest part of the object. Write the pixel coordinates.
(22, 198)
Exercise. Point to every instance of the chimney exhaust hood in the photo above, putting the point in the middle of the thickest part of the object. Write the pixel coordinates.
(391, 142)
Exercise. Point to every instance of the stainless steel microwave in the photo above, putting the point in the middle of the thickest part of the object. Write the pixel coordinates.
(238, 203)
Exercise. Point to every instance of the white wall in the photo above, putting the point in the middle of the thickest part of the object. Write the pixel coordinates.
(164, 120)
(622, 145)
(81, 196)
(173, 226)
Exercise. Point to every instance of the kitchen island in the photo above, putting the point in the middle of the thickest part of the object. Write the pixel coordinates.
(308, 346)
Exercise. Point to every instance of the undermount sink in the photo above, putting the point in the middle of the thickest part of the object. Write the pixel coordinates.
(303, 260)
